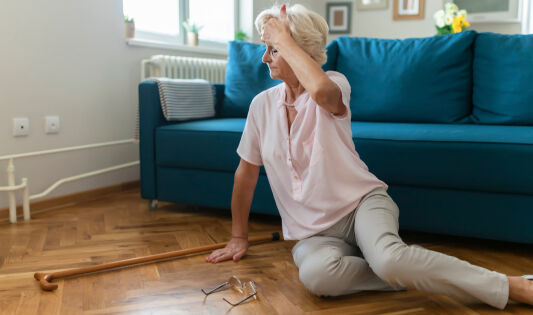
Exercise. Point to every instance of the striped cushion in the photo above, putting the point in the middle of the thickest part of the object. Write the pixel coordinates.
(186, 99)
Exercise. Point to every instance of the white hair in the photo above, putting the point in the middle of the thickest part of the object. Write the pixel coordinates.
(308, 29)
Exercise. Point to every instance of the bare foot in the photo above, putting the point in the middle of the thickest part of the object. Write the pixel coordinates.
(521, 290)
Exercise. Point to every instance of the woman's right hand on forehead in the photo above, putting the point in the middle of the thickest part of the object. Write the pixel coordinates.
(274, 30)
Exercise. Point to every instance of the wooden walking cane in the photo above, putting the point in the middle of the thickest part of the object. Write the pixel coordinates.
(45, 279)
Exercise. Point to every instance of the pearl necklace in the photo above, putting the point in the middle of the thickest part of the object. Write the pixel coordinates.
(289, 106)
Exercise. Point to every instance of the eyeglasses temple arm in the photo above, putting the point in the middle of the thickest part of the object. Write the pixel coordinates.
(216, 288)
(246, 298)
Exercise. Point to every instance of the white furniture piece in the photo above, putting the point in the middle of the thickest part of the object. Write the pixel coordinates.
(483, 11)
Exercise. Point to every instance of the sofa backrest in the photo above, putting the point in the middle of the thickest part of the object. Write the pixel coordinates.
(503, 79)
(467, 77)
(421, 80)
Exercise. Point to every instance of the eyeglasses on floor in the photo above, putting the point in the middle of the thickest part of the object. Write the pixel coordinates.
(248, 288)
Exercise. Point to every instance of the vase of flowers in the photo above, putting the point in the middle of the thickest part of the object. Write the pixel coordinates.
(129, 24)
(192, 32)
(450, 20)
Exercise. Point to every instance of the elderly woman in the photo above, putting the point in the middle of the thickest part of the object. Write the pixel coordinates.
(346, 223)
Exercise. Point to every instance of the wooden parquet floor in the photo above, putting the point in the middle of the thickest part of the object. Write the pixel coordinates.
(120, 226)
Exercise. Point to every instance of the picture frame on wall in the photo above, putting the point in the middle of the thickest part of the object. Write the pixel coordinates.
(408, 9)
(363, 5)
(492, 10)
(339, 17)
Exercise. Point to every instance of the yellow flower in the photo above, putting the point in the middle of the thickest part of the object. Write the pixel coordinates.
(465, 22)
(456, 24)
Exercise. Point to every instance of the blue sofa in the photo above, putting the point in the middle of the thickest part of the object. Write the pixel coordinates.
(445, 121)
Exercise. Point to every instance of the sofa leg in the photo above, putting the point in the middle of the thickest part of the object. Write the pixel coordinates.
(152, 204)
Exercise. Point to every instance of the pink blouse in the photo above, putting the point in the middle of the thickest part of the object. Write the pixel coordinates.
(315, 174)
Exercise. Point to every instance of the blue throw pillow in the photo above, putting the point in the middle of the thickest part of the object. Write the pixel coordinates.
(425, 80)
(247, 76)
(503, 79)
(331, 51)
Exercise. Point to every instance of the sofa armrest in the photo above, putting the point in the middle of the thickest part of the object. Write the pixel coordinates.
(150, 118)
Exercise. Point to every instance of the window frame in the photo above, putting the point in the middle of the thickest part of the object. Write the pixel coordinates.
(529, 23)
(527, 18)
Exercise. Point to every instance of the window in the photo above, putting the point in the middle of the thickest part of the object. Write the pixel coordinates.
(154, 20)
(216, 16)
(161, 20)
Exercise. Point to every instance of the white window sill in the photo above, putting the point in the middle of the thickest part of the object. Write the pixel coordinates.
(156, 44)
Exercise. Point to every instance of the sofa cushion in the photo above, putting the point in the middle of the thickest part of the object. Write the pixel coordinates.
(410, 80)
(203, 144)
(451, 156)
(247, 76)
(503, 79)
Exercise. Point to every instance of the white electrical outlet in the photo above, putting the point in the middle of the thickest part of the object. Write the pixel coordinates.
(51, 124)
(21, 126)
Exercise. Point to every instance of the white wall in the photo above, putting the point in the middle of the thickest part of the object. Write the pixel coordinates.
(379, 23)
(68, 58)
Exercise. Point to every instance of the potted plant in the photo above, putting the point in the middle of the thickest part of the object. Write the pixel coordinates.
(241, 35)
(129, 23)
(192, 32)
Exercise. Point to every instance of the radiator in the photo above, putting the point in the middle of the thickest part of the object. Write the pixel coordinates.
(213, 70)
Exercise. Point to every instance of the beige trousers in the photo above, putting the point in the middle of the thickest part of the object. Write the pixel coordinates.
(363, 251)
